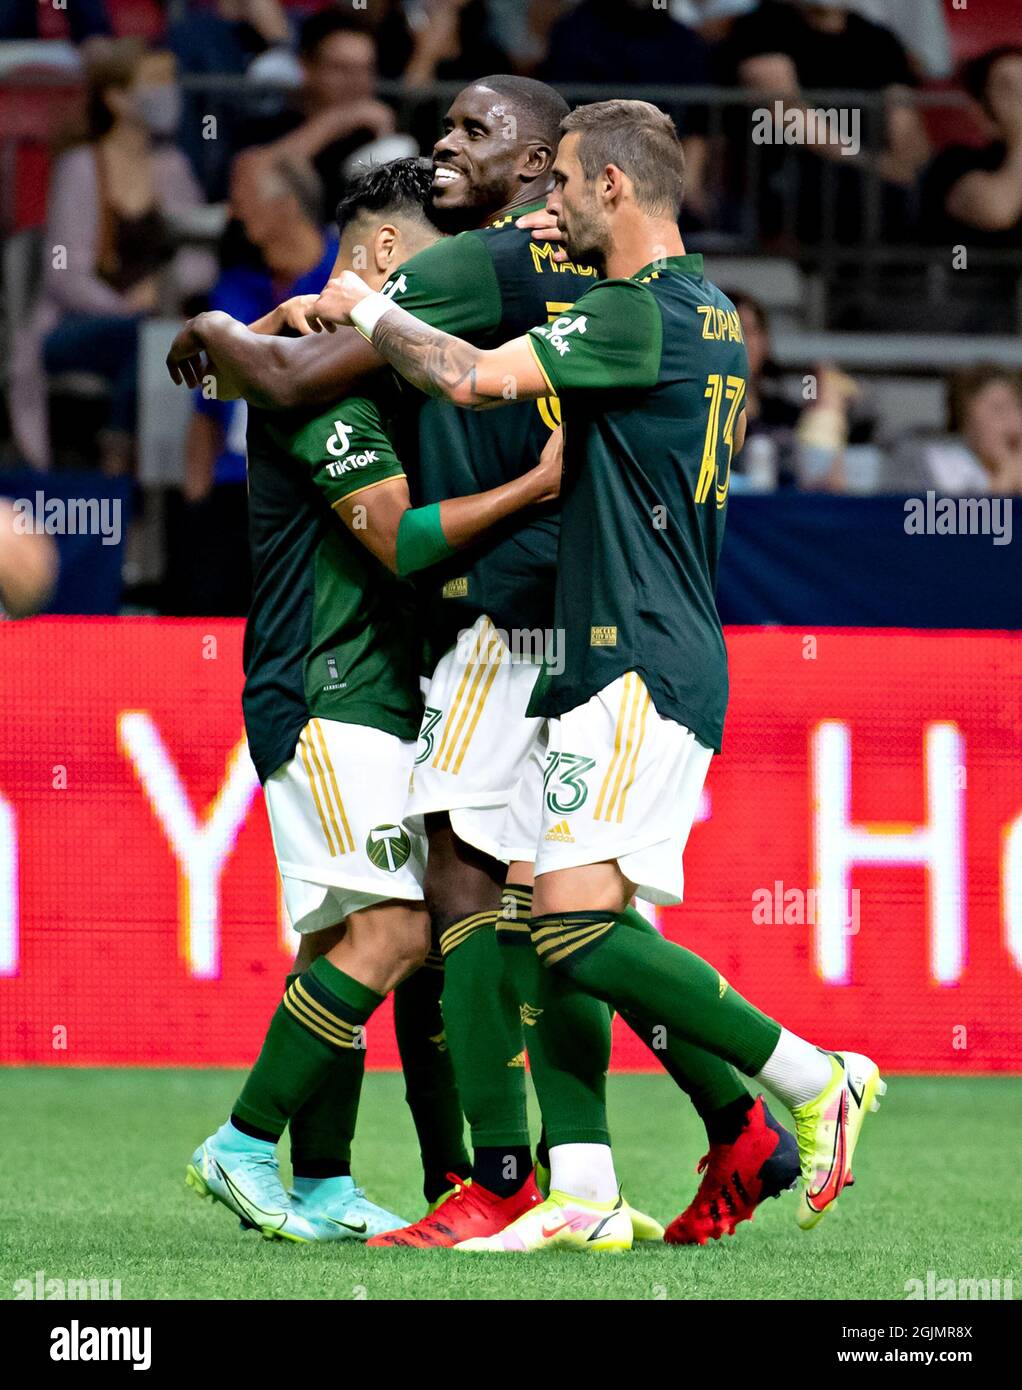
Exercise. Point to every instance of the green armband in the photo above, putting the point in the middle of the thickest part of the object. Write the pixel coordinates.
(420, 539)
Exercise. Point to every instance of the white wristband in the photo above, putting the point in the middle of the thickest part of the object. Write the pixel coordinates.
(368, 311)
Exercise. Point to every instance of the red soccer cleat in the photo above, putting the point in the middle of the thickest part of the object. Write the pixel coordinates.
(762, 1162)
(470, 1211)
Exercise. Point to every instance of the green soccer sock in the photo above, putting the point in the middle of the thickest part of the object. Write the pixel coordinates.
(641, 973)
(322, 1128)
(567, 1033)
(430, 1087)
(712, 1085)
(317, 1027)
(484, 1034)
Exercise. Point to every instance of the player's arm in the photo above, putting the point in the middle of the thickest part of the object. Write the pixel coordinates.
(612, 338)
(436, 362)
(355, 466)
(407, 539)
(271, 372)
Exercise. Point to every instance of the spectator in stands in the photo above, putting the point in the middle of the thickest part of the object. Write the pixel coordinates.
(110, 256)
(29, 564)
(769, 456)
(85, 18)
(974, 195)
(787, 46)
(227, 39)
(278, 206)
(453, 42)
(335, 111)
(626, 43)
(711, 18)
(984, 453)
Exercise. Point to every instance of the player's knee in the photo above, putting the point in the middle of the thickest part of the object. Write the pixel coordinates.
(411, 943)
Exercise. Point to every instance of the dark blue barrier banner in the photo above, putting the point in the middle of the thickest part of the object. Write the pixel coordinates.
(822, 561)
(87, 515)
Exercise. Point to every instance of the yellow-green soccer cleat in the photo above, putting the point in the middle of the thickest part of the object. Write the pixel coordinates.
(644, 1228)
(562, 1222)
(827, 1130)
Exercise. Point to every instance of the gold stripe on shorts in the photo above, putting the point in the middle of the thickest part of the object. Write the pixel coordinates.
(334, 788)
(310, 772)
(635, 756)
(467, 706)
(627, 742)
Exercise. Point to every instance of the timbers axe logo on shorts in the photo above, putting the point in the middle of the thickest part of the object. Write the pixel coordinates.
(388, 847)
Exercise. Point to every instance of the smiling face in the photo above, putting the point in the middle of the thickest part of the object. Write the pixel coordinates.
(481, 157)
(576, 205)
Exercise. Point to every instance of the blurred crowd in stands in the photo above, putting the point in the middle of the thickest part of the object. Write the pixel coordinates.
(165, 155)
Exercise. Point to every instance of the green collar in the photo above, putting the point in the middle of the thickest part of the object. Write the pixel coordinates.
(682, 265)
(508, 217)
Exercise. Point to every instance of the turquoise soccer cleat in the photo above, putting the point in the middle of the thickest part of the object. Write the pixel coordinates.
(244, 1176)
(338, 1210)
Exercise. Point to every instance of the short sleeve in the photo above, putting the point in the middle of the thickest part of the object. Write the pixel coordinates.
(452, 285)
(611, 338)
(347, 449)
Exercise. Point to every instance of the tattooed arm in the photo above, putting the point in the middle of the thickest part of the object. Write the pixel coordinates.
(434, 361)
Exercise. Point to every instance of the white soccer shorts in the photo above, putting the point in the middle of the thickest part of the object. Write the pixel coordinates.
(616, 781)
(335, 813)
(475, 738)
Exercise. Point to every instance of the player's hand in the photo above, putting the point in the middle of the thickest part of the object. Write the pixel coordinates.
(335, 304)
(543, 226)
(294, 313)
(546, 476)
(186, 361)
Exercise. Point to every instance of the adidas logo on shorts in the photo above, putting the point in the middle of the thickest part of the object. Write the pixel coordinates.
(561, 831)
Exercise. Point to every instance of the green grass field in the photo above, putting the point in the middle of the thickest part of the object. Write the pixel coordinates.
(94, 1165)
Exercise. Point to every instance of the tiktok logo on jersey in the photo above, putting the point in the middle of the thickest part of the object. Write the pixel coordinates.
(556, 332)
(340, 441)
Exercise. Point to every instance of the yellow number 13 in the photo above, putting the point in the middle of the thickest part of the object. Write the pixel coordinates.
(718, 390)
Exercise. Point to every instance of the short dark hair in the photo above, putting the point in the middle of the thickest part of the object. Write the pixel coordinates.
(975, 74)
(965, 385)
(539, 108)
(402, 186)
(641, 141)
(323, 25)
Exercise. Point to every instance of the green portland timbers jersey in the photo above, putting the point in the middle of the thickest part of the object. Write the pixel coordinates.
(651, 373)
(328, 631)
(488, 286)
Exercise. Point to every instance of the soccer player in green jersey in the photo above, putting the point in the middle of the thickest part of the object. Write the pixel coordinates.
(332, 708)
(492, 162)
(650, 368)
